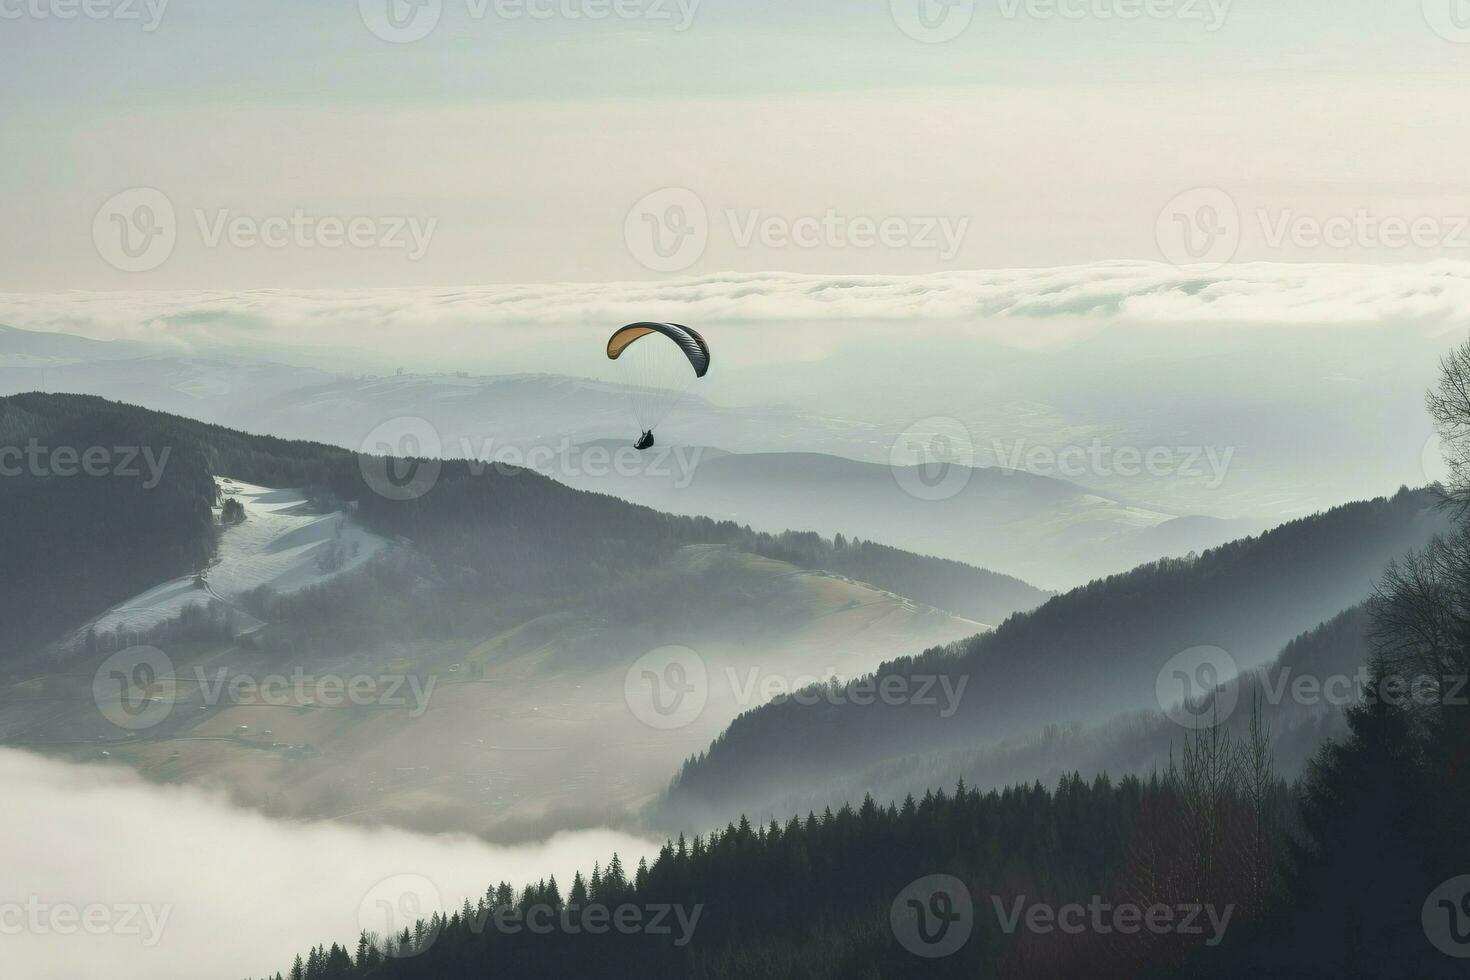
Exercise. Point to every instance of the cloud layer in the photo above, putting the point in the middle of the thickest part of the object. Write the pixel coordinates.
(1137, 292)
(190, 886)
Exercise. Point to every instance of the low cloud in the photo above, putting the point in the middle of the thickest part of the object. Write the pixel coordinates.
(1435, 293)
(183, 885)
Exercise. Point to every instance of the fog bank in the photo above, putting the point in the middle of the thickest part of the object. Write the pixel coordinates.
(108, 875)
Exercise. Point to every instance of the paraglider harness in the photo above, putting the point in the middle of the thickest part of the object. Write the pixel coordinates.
(645, 441)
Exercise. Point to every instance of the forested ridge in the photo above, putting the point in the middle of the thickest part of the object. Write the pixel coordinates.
(1133, 742)
(812, 897)
(1325, 878)
(1085, 654)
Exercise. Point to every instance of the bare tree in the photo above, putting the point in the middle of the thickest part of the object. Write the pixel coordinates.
(1258, 775)
(1449, 405)
(1421, 609)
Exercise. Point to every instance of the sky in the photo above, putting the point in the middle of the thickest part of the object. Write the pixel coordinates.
(195, 144)
(400, 183)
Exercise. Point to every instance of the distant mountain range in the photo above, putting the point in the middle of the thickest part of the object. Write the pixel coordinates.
(774, 468)
(1309, 417)
(1045, 530)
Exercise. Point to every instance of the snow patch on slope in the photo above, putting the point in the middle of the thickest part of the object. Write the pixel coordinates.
(283, 544)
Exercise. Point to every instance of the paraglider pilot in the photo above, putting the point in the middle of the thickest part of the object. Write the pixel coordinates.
(688, 350)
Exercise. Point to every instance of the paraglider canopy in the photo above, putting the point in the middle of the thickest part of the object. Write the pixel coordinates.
(662, 361)
(689, 341)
